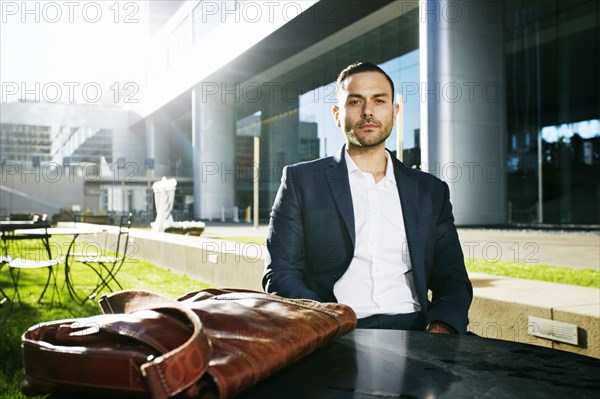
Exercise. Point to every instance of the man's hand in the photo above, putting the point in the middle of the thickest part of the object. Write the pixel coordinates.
(441, 328)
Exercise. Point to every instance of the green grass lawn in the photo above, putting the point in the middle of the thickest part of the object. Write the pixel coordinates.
(540, 272)
(13, 322)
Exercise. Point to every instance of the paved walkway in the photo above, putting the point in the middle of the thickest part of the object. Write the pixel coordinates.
(558, 248)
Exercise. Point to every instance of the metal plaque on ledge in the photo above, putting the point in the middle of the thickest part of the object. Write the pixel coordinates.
(552, 329)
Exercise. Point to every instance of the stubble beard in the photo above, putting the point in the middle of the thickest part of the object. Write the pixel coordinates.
(370, 141)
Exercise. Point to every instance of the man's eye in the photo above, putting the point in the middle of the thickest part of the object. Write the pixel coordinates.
(380, 101)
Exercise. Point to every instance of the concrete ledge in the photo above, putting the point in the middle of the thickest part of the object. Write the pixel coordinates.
(216, 262)
(501, 305)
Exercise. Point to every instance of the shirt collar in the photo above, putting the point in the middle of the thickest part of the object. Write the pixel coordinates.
(389, 168)
(350, 163)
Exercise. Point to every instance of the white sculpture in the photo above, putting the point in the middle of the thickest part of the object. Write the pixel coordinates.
(164, 196)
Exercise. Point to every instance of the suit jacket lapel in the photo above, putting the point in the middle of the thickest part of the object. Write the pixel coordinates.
(337, 178)
(408, 189)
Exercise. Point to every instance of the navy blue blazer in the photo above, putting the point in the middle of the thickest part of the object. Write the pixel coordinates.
(311, 237)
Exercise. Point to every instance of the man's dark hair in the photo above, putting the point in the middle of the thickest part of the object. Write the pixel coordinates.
(359, 67)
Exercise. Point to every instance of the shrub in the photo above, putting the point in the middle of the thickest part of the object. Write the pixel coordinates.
(64, 215)
(186, 228)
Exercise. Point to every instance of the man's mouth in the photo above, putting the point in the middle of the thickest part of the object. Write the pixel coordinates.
(368, 125)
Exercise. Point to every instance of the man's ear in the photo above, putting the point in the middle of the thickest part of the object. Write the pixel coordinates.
(396, 107)
(335, 110)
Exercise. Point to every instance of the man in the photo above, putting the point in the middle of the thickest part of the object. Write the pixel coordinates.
(362, 229)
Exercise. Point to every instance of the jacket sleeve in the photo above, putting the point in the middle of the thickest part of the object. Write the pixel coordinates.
(285, 261)
(449, 282)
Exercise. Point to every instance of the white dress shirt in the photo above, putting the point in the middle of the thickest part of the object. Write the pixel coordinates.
(379, 279)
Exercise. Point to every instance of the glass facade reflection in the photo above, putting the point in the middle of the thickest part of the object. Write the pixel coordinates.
(551, 95)
(301, 128)
(315, 107)
(553, 105)
(541, 133)
(552, 109)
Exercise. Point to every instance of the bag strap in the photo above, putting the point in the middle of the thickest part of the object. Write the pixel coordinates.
(174, 371)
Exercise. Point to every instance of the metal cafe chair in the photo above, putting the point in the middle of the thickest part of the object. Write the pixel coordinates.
(106, 267)
(74, 255)
(16, 265)
(4, 260)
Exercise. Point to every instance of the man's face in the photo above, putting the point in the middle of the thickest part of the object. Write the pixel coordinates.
(366, 110)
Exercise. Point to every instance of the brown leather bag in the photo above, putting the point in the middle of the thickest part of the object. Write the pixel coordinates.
(208, 344)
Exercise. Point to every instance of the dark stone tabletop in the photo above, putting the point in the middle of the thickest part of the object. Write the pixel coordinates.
(407, 364)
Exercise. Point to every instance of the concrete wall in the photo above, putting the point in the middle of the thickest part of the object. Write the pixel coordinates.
(38, 190)
(500, 310)
(216, 262)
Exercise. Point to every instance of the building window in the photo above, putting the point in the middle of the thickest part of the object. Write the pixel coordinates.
(553, 163)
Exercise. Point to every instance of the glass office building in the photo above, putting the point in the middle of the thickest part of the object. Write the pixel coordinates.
(499, 99)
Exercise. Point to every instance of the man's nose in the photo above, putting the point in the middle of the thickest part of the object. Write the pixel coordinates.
(367, 111)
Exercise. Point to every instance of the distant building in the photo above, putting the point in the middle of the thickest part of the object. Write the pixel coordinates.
(500, 99)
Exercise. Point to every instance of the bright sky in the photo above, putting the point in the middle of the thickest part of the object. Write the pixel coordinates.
(68, 51)
(66, 45)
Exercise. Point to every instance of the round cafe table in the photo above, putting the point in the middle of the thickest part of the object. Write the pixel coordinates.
(75, 233)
